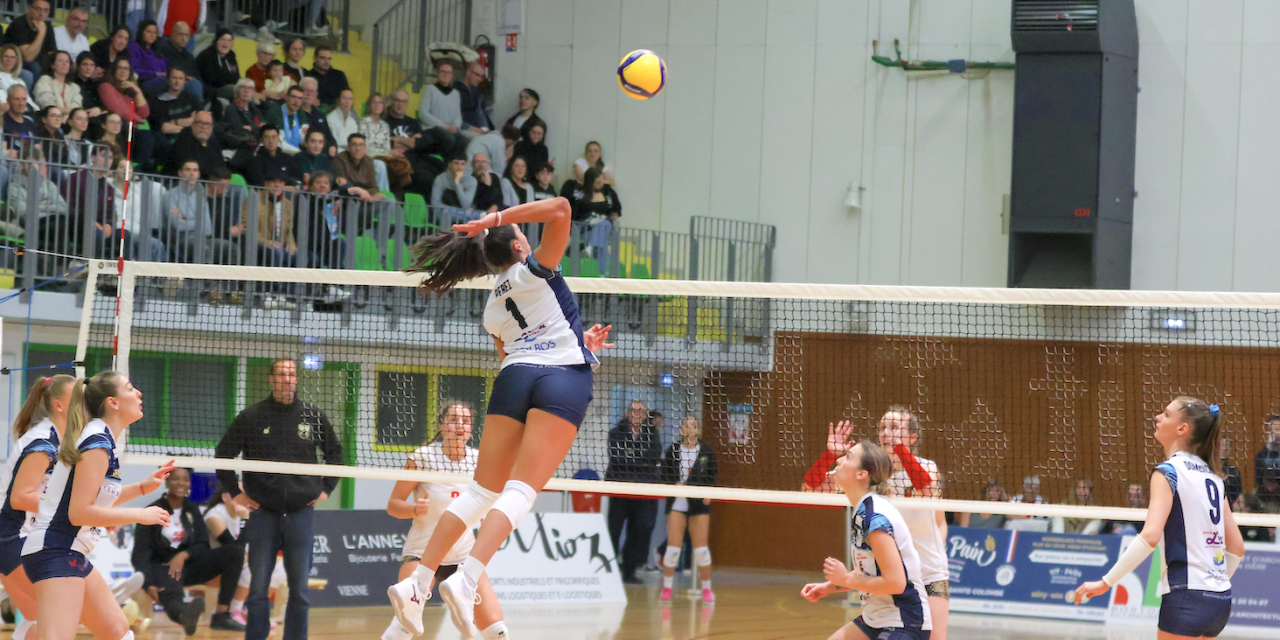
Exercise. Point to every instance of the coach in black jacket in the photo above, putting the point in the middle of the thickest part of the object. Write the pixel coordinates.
(179, 555)
(280, 428)
(634, 450)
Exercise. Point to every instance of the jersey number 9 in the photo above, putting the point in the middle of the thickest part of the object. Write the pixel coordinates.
(1215, 500)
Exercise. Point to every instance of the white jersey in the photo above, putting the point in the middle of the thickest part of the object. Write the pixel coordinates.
(535, 315)
(923, 524)
(1194, 538)
(906, 610)
(219, 511)
(42, 439)
(440, 495)
(53, 528)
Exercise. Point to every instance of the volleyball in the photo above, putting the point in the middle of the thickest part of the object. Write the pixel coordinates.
(642, 74)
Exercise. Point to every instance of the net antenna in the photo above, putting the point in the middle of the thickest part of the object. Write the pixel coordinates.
(124, 216)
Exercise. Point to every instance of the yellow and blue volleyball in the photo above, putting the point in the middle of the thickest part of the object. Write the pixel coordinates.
(642, 74)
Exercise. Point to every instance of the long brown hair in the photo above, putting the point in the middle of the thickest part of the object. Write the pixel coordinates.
(115, 83)
(88, 401)
(588, 183)
(1206, 423)
(449, 257)
(39, 404)
(875, 461)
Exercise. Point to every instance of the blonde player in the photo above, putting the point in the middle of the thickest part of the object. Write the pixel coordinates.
(1190, 517)
(425, 502)
(886, 569)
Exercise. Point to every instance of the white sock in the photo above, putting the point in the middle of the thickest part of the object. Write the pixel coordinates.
(425, 577)
(668, 582)
(706, 584)
(237, 606)
(472, 569)
(20, 631)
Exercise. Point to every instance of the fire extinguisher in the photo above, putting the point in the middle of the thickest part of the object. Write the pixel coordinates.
(488, 59)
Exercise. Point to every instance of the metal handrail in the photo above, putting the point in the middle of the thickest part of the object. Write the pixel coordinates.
(402, 39)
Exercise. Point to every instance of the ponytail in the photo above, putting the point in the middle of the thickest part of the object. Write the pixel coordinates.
(39, 404)
(88, 399)
(449, 257)
(1206, 425)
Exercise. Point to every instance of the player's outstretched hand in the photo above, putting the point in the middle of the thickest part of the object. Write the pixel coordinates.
(595, 337)
(474, 227)
(838, 437)
(815, 591)
(1084, 592)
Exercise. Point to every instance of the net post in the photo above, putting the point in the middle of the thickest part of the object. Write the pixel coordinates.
(86, 316)
(124, 339)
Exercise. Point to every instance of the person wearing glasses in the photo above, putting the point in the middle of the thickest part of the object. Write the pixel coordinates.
(33, 34)
(70, 36)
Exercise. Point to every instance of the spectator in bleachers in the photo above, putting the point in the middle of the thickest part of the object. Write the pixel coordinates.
(312, 159)
(405, 130)
(592, 156)
(276, 244)
(1082, 495)
(1030, 491)
(290, 120)
(141, 214)
(114, 47)
(70, 36)
(1267, 460)
(332, 81)
(266, 52)
(198, 143)
(315, 115)
(120, 90)
(33, 34)
(270, 160)
(529, 101)
(497, 145)
(542, 187)
(172, 112)
(77, 137)
(1251, 534)
(374, 128)
(533, 145)
(441, 105)
(354, 167)
(455, 187)
(11, 72)
(34, 172)
(1135, 497)
(476, 110)
(150, 67)
(177, 54)
(191, 13)
(635, 448)
(86, 78)
(1232, 484)
(488, 186)
(324, 222)
(516, 187)
(16, 120)
(1266, 493)
(86, 187)
(111, 133)
(294, 50)
(49, 131)
(277, 84)
(54, 88)
(218, 67)
(187, 208)
(343, 120)
(242, 120)
(596, 205)
(992, 492)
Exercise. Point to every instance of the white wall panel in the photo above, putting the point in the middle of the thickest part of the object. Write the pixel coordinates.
(844, 22)
(644, 25)
(1158, 170)
(1211, 129)
(741, 22)
(593, 107)
(1215, 21)
(548, 23)
(944, 21)
(1161, 21)
(786, 151)
(988, 163)
(737, 129)
(1257, 225)
(1260, 20)
(833, 240)
(792, 22)
(545, 72)
(597, 23)
(686, 162)
(989, 23)
(638, 158)
(692, 22)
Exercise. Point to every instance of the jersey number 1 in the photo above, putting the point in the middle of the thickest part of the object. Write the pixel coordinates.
(1215, 501)
(515, 313)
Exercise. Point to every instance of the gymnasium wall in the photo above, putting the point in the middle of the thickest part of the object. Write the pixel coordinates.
(773, 107)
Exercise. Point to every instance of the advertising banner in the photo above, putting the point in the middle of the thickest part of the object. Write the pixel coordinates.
(1026, 573)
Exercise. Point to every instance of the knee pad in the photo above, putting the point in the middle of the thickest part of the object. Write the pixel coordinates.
(473, 504)
(672, 557)
(702, 556)
(244, 576)
(516, 501)
(495, 631)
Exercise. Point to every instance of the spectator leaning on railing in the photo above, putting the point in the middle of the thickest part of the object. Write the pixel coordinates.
(189, 221)
(456, 187)
(270, 159)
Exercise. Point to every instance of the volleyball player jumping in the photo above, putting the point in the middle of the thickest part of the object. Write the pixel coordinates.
(538, 400)
(1191, 518)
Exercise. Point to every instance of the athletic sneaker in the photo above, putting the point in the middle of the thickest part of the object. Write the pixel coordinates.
(396, 631)
(408, 601)
(222, 621)
(191, 615)
(708, 597)
(461, 599)
(665, 598)
(240, 616)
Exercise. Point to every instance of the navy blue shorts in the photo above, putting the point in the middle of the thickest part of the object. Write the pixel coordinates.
(563, 391)
(10, 553)
(1189, 612)
(56, 563)
(890, 633)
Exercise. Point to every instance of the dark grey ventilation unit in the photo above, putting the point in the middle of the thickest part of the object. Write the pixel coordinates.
(1074, 128)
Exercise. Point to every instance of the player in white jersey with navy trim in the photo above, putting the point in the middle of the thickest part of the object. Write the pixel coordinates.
(78, 504)
(538, 400)
(37, 431)
(224, 519)
(425, 502)
(1190, 516)
(886, 568)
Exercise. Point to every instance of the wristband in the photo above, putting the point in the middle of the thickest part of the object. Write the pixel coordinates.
(911, 464)
(1233, 561)
(1129, 560)
(499, 218)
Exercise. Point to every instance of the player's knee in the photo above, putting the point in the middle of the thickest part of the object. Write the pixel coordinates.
(495, 631)
(473, 504)
(672, 556)
(702, 556)
(515, 502)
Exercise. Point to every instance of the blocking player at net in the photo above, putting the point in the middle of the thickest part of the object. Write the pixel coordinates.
(1190, 517)
(539, 398)
(886, 568)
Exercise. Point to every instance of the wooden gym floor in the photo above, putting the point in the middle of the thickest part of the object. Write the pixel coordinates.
(751, 605)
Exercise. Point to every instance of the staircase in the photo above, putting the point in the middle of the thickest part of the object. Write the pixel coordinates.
(402, 38)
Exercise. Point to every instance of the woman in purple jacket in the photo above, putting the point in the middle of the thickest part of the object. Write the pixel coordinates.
(150, 67)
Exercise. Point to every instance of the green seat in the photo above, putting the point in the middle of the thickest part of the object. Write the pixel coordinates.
(391, 256)
(238, 180)
(388, 195)
(640, 270)
(590, 268)
(416, 213)
(367, 258)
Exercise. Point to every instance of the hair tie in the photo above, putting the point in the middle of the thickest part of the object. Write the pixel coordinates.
(1213, 410)
(484, 233)
(46, 380)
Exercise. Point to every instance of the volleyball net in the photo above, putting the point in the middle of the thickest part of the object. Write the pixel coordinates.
(1017, 391)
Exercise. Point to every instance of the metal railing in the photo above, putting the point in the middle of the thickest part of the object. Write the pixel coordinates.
(402, 38)
(290, 18)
